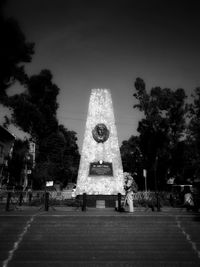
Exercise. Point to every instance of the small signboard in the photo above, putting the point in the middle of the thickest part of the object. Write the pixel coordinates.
(101, 169)
(49, 183)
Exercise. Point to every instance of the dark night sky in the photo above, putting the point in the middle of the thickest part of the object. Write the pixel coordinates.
(107, 44)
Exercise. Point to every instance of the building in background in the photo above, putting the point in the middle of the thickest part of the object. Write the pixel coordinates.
(29, 165)
(6, 146)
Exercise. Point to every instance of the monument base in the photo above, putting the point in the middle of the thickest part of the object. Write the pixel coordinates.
(93, 200)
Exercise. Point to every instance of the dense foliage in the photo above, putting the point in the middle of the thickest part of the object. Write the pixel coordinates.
(14, 52)
(166, 141)
(34, 111)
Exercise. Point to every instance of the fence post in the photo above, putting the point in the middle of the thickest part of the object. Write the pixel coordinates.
(46, 201)
(119, 201)
(84, 202)
(8, 201)
(20, 198)
(29, 198)
(158, 201)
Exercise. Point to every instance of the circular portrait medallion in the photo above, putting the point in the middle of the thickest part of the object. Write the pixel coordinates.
(100, 133)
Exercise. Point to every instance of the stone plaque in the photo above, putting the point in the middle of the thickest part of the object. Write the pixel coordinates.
(97, 169)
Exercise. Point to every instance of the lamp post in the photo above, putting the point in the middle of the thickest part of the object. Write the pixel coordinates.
(145, 179)
(156, 184)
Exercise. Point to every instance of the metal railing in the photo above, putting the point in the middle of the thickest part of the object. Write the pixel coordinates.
(14, 199)
(43, 199)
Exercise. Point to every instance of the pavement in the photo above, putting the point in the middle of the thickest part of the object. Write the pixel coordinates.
(30, 236)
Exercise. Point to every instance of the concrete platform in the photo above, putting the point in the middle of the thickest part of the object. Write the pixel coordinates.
(99, 237)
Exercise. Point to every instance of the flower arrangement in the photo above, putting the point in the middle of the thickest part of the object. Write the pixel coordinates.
(129, 183)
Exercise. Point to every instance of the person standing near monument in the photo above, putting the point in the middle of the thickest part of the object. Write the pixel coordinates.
(188, 198)
(130, 188)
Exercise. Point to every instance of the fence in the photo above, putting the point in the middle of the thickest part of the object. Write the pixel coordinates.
(13, 199)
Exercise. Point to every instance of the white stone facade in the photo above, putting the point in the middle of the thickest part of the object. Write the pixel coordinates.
(100, 111)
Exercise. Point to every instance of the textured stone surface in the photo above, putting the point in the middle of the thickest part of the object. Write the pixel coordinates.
(100, 111)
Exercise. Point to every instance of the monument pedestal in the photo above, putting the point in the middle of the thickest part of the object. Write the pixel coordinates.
(95, 201)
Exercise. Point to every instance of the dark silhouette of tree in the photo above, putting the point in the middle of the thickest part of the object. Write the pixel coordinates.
(161, 129)
(14, 52)
(132, 159)
(71, 154)
(34, 111)
(193, 137)
(58, 157)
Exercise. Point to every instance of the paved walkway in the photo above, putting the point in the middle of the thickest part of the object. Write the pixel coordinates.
(64, 237)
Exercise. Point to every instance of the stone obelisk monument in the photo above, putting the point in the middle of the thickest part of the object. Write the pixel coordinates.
(100, 170)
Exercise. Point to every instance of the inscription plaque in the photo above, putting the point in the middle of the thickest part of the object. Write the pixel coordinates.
(97, 169)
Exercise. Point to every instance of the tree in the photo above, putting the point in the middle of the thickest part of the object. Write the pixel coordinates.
(58, 158)
(71, 154)
(193, 137)
(161, 129)
(132, 158)
(34, 111)
(14, 52)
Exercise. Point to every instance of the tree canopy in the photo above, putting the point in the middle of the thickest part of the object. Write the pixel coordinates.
(193, 137)
(15, 50)
(168, 142)
(35, 110)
